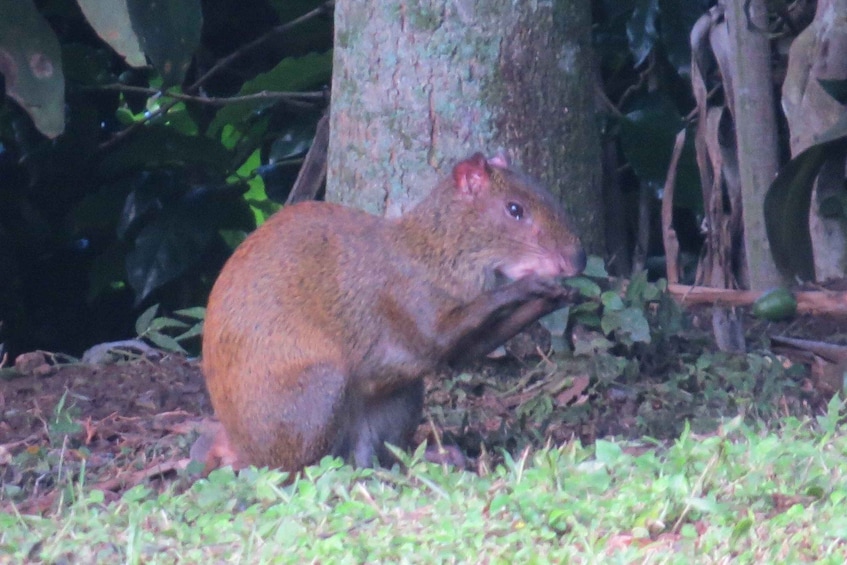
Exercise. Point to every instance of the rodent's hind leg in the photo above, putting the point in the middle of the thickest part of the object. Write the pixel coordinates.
(304, 419)
(391, 418)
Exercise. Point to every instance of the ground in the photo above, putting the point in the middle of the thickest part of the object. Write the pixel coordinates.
(134, 420)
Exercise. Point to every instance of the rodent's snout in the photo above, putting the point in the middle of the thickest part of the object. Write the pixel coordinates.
(575, 260)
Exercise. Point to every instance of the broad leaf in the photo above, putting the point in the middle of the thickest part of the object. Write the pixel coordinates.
(159, 146)
(169, 33)
(142, 324)
(290, 75)
(165, 249)
(630, 325)
(787, 206)
(176, 238)
(261, 206)
(677, 20)
(648, 133)
(788, 202)
(111, 22)
(31, 63)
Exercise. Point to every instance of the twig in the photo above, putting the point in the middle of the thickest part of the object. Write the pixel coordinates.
(642, 78)
(292, 97)
(164, 108)
(282, 28)
(808, 302)
(313, 171)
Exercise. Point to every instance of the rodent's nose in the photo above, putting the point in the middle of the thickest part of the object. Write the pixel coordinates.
(580, 260)
(576, 261)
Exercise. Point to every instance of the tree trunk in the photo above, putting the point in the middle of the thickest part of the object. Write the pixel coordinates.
(755, 126)
(418, 86)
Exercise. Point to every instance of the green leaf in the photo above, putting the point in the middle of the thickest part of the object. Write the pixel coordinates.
(591, 346)
(629, 323)
(655, 117)
(164, 249)
(788, 201)
(165, 323)
(142, 324)
(169, 33)
(607, 452)
(611, 300)
(585, 286)
(261, 206)
(111, 22)
(595, 268)
(196, 312)
(166, 342)
(678, 17)
(193, 331)
(705, 505)
(637, 288)
(160, 146)
(741, 529)
(233, 238)
(174, 240)
(290, 75)
(31, 63)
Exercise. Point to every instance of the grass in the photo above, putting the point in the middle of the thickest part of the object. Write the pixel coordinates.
(742, 495)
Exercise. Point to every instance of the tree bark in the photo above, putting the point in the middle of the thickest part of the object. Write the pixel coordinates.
(755, 126)
(418, 86)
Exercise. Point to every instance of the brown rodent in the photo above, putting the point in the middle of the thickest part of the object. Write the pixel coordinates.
(324, 322)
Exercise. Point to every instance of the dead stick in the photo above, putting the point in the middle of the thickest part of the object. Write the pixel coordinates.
(808, 302)
(668, 232)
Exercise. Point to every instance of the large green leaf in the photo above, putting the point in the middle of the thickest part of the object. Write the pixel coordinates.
(111, 22)
(164, 250)
(788, 201)
(175, 240)
(164, 220)
(786, 212)
(31, 63)
(169, 33)
(290, 75)
(159, 146)
(677, 19)
(648, 133)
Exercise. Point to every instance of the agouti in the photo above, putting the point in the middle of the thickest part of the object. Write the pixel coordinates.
(324, 322)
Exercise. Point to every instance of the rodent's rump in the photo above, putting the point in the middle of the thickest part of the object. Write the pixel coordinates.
(325, 320)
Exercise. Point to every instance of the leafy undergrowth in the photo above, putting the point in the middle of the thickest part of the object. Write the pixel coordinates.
(94, 458)
(742, 494)
(639, 367)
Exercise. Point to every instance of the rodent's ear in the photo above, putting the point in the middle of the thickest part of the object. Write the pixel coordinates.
(500, 159)
(471, 175)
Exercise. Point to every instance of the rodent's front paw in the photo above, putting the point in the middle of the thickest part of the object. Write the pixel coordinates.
(542, 287)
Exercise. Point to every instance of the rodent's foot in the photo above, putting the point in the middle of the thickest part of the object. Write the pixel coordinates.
(446, 455)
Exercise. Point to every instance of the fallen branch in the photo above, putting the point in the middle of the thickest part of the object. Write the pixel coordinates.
(808, 301)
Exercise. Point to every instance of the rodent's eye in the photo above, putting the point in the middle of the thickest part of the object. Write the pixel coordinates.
(515, 210)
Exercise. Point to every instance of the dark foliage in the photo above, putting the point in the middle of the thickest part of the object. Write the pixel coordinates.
(130, 206)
